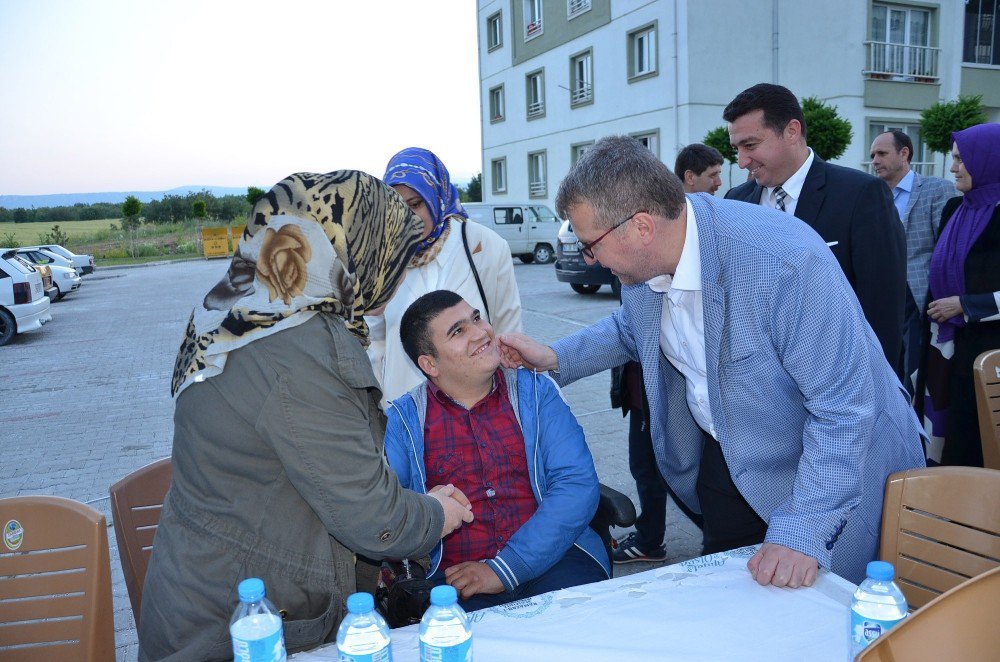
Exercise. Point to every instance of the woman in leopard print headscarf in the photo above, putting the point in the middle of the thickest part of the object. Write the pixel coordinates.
(278, 468)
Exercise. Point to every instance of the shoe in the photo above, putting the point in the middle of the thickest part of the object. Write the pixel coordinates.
(627, 551)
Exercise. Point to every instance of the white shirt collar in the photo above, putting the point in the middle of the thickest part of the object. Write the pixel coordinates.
(688, 273)
(793, 185)
(906, 183)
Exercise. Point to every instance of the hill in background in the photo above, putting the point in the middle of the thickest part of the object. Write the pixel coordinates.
(70, 199)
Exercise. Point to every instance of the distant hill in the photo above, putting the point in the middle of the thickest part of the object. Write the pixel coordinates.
(69, 199)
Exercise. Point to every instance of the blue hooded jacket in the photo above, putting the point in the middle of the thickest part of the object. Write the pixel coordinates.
(560, 469)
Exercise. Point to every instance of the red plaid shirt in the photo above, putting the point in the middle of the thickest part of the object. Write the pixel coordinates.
(481, 452)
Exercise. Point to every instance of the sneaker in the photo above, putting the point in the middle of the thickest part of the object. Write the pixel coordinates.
(627, 550)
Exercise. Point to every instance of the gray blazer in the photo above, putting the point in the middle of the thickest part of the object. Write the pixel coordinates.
(278, 473)
(922, 223)
(810, 417)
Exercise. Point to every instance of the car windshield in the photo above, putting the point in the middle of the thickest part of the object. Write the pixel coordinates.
(19, 264)
(544, 214)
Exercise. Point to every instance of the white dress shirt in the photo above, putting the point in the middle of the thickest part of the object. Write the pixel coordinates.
(792, 186)
(682, 324)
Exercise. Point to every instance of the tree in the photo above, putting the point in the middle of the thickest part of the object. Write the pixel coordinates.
(254, 194)
(474, 191)
(719, 139)
(938, 122)
(827, 133)
(198, 209)
(21, 215)
(130, 219)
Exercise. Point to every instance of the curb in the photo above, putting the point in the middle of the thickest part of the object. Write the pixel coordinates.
(148, 264)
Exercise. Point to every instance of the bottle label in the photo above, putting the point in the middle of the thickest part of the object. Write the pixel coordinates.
(267, 649)
(382, 655)
(458, 653)
(865, 630)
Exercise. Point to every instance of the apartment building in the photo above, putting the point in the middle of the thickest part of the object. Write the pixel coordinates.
(555, 75)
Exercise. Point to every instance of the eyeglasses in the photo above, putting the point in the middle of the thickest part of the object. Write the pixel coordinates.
(588, 249)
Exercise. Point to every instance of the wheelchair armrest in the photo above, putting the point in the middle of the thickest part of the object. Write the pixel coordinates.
(614, 508)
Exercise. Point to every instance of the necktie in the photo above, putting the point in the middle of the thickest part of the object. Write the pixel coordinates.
(779, 198)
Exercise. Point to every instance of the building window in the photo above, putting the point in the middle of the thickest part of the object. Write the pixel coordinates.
(532, 19)
(581, 69)
(923, 159)
(578, 150)
(498, 170)
(576, 7)
(642, 52)
(496, 104)
(536, 174)
(900, 45)
(650, 140)
(982, 36)
(494, 32)
(535, 94)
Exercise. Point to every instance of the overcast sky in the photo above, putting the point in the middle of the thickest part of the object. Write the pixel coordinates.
(116, 95)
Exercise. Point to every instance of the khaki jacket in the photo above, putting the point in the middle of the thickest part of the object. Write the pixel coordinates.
(278, 473)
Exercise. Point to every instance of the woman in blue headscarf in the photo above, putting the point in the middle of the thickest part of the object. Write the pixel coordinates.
(455, 254)
(965, 298)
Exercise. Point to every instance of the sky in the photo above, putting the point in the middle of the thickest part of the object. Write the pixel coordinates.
(123, 95)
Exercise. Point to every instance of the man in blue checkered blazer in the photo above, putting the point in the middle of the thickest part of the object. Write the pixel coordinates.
(773, 410)
(919, 200)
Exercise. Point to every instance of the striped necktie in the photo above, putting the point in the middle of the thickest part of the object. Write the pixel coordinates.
(779, 198)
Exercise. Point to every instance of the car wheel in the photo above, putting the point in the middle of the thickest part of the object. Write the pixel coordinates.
(527, 258)
(59, 293)
(543, 253)
(584, 289)
(8, 327)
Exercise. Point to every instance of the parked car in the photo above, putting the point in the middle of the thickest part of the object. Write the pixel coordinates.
(23, 304)
(573, 269)
(64, 280)
(530, 229)
(84, 264)
(47, 285)
(37, 255)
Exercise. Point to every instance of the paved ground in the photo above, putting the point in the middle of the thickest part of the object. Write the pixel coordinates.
(86, 399)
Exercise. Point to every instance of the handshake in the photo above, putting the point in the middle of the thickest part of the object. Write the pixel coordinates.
(457, 509)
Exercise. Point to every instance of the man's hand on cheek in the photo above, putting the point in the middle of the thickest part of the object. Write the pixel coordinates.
(473, 577)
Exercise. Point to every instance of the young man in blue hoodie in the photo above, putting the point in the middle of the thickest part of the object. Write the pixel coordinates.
(509, 442)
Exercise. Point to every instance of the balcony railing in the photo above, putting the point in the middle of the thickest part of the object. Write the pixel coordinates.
(536, 188)
(574, 7)
(582, 92)
(925, 168)
(533, 29)
(536, 108)
(916, 64)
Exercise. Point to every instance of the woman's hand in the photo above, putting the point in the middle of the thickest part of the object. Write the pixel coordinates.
(944, 309)
(457, 509)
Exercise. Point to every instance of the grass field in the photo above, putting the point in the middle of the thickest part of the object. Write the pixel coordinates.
(78, 231)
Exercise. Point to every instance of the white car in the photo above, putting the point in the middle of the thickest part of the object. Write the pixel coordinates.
(84, 264)
(65, 280)
(37, 255)
(23, 304)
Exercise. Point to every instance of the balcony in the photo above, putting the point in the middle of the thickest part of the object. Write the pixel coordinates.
(532, 29)
(575, 7)
(582, 93)
(900, 62)
(536, 189)
(536, 109)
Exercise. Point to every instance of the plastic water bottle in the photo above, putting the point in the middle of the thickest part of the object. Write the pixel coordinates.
(877, 606)
(256, 626)
(363, 635)
(445, 635)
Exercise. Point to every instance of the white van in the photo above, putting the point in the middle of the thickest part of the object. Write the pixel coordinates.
(23, 304)
(531, 229)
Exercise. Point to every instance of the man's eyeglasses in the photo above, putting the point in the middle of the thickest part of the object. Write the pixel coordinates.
(588, 249)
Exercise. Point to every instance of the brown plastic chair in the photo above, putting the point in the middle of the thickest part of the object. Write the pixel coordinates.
(940, 527)
(958, 626)
(136, 502)
(55, 581)
(987, 369)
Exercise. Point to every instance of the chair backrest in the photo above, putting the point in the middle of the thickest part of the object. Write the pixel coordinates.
(55, 581)
(987, 369)
(940, 527)
(960, 625)
(136, 502)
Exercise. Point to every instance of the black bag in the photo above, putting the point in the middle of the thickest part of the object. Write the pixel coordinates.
(403, 593)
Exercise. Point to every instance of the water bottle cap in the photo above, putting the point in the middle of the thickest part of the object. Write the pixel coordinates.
(251, 590)
(444, 595)
(881, 570)
(359, 603)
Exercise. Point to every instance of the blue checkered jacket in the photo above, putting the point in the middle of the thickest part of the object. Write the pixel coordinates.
(922, 223)
(810, 416)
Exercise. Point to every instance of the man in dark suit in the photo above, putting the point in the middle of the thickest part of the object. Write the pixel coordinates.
(851, 210)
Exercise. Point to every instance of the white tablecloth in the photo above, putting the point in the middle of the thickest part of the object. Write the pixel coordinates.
(707, 608)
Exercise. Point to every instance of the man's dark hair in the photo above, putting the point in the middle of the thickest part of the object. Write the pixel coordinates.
(414, 328)
(901, 140)
(697, 158)
(778, 103)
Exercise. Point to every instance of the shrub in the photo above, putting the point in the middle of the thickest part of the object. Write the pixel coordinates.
(7, 240)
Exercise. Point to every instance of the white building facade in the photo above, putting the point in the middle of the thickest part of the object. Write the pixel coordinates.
(556, 75)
